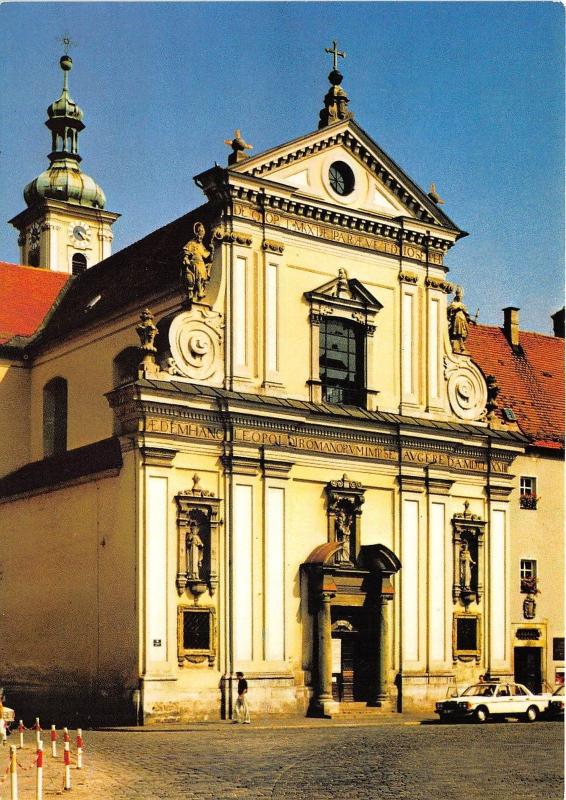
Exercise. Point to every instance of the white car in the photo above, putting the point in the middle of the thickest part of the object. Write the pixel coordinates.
(483, 700)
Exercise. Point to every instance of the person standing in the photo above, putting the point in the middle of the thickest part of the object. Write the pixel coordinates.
(241, 708)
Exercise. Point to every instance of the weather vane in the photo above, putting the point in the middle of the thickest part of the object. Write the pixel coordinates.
(335, 52)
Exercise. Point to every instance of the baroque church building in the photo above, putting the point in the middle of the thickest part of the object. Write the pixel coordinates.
(268, 437)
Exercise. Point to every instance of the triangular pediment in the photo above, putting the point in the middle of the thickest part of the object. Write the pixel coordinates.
(347, 292)
(341, 165)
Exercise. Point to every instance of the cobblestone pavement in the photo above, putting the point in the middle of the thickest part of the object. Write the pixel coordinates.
(310, 761)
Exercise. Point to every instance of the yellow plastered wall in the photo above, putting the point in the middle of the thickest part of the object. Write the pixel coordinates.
(15, 399)
(539, 535)
(68, 571)
(86, 364)
(304, 267)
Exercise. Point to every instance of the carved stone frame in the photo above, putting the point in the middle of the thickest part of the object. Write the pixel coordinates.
(347, 299)
(345, 494)
(200, 504)
(466, 655)
(469, 528)
(196, 655)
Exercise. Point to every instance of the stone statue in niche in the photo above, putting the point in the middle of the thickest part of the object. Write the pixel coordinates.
(195, 551)
(343, 529)
(466, 565)
(458, 322)
(196, 265)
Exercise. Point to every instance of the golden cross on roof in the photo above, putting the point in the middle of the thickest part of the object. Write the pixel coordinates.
(335, 52)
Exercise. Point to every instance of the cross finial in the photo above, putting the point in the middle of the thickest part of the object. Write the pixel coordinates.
(67, 42)
(335, 53)
(239, 146)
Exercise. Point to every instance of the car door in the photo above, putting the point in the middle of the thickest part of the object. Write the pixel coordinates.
(502, 699)
(519, 699)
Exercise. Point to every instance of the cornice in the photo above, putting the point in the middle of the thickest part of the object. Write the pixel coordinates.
(350, 220)
(362, 154)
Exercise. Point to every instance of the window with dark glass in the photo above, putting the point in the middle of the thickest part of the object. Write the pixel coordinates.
(78, 263)
(528, 493)
(341, 178)
(55, 417)
(342, 346)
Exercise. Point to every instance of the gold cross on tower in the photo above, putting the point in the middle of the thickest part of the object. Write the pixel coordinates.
(335, 52)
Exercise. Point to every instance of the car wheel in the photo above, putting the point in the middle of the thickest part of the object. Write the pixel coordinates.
(480, 714)
(531, 714)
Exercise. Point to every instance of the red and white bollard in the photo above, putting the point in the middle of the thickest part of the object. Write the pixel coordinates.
(79, 748)
(37, 729)
(67, 762)
(13, 773)
(21, 729)
(53, 742)
(39, 772)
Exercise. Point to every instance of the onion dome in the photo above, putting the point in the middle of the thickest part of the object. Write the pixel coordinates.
(64, 179)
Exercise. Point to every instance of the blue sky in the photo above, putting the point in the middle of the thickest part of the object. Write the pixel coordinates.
(468, 95)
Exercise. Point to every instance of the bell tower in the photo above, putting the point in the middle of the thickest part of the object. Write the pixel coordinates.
(65, 226)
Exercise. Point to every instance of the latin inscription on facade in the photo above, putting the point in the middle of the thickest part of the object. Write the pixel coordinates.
(313, 444)
(332, 234)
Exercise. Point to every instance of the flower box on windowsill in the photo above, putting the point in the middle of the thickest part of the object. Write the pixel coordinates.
(529, 586)
(529, 501)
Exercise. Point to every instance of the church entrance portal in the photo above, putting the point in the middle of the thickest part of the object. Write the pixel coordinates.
(348, 603)
(354, 661)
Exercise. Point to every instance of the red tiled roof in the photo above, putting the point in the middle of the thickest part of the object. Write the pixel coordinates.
(26, 295)
(531, 379)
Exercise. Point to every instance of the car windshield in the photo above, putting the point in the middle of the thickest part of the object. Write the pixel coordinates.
(481, 689)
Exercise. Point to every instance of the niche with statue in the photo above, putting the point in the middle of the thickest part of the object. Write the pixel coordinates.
(197, 529)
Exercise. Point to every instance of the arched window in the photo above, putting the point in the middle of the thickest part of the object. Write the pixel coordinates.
(342, 354)
(125, 366)
(78, 263)
(55, 417)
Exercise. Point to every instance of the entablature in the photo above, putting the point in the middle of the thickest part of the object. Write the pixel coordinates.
(253, 424)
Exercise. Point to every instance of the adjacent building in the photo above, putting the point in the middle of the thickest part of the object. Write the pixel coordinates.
(265, 438)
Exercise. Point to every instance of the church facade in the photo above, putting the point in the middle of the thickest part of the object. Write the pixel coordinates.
(265, 439)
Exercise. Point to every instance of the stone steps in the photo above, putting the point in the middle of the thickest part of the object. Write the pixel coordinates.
(361, 709)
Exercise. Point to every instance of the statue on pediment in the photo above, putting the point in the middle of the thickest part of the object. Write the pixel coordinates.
(458, 322)
(196, 265)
